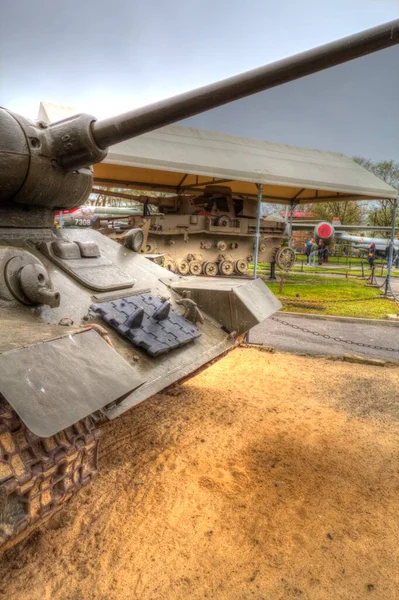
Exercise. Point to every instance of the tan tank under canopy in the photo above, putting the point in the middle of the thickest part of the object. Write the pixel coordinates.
(208, 226)
(67, 295)
(210, 234)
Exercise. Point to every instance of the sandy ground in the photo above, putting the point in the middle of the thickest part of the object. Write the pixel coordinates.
(267, 476)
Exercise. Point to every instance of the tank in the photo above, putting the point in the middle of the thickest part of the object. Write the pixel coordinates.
(96, 216)
(208, 234)
(90, 328)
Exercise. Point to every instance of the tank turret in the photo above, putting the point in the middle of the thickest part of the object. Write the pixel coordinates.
(68, 295)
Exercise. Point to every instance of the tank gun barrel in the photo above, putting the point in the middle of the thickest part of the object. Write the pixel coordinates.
(46, 166)
(136, 122)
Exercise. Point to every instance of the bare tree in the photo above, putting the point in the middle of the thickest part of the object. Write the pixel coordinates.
(380, 213)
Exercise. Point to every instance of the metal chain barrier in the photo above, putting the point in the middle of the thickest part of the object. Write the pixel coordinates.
(330, 337)
(394, 297)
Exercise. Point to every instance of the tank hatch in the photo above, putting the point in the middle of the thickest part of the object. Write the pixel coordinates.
(84, 262)
(148, 322)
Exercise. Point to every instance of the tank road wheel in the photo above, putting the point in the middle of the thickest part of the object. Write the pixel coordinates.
(223, 221)
(241, 266)
(182, 266)
(38, 475)
(169, 264)
(210, 269)
(195, 267)
(285, 258)
(226, 267)
(134, 240)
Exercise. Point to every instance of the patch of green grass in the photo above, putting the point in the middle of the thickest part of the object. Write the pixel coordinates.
(352, 271)
(363, 302)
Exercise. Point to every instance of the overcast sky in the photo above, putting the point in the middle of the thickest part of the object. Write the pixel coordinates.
(106, 57)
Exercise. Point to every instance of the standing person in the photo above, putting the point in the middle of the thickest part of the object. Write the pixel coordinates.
(371, 255)
(308, 250)
(314, 251)
(320, 251)
(325, 253)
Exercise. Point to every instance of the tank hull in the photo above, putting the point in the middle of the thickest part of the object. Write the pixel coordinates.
(43, 465)
(179, 239)
(210, 234)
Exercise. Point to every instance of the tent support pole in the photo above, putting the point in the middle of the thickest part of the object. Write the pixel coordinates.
(293, 204)
(391, 247)
(257, 234)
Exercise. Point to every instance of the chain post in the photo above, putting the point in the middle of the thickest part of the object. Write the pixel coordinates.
(388, 290)
(372, 279)
(257, 233)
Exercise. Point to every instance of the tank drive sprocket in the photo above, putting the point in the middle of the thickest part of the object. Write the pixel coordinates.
(285, 258)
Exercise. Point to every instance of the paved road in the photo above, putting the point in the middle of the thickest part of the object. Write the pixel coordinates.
(282, 337)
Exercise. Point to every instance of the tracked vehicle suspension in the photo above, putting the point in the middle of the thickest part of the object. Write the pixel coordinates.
(39, 475)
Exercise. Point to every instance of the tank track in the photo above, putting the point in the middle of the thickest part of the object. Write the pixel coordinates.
(39, 475)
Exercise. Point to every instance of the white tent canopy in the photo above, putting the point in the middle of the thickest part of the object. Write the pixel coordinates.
(178, 159)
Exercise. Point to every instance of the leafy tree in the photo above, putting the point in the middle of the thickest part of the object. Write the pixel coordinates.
(380, 213)
(349, 212)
